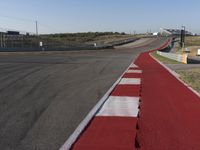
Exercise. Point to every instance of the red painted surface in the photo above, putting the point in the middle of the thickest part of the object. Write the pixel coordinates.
(108, 133)
(134, 68)
(132, 75)
(170, 112)
(126, 90)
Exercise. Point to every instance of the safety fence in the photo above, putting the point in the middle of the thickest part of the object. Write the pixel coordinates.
(10, 43)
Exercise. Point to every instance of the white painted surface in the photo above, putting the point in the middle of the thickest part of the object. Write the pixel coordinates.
(198, 52)
(41, 44)
(130, 81)
(133, 66)
(120, 106)
(134, 71)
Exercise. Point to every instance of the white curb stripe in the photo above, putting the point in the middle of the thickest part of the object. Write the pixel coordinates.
(130, 81)
(133, 66)
(134, 71)
(120, 106)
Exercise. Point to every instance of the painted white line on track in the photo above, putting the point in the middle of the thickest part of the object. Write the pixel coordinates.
(117, 106)
(134, 71)
(133, 66)
(130, 81)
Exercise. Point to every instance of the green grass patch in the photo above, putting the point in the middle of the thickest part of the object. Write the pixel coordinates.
(191, 77)
(164, 59)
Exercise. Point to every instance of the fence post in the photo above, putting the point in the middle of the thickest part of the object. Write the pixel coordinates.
(1, 40)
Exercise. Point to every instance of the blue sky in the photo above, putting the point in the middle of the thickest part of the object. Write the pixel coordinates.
(99, 15)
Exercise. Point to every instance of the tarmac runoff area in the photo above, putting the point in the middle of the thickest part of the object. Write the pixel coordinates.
(137, 43)
(45, 96)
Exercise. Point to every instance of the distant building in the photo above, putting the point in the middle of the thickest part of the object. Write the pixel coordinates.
(155, 33)
(12, 36)
(173, 32)
(13, 33)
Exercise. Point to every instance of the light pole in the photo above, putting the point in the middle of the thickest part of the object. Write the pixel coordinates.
(183, 37)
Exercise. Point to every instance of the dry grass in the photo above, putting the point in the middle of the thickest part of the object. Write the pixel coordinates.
(191, 77)
(193, 50)
(192, 41)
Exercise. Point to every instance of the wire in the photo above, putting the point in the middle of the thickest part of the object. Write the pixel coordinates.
(49, 27)
(32, 21)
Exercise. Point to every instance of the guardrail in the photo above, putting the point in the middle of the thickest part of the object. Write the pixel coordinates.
(178, 57)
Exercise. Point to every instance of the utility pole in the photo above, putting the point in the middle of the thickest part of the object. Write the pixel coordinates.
(37, 35)
(1, 40)
(36, 25)
(183, 37)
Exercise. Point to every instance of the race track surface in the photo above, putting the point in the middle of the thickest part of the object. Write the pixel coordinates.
(44, 96)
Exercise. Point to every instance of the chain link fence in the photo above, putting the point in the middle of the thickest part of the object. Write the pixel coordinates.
(22, 42)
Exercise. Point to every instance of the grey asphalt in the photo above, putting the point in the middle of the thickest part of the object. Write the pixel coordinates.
(44, 96)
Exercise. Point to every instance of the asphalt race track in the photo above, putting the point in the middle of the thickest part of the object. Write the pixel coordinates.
(44, 96)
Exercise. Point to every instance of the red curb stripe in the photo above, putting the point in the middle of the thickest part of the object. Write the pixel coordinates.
(134, 68)
(132, 75)
(126, 90)
(108, 133)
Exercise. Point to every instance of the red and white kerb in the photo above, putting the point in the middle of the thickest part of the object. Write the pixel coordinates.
(114, 125)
